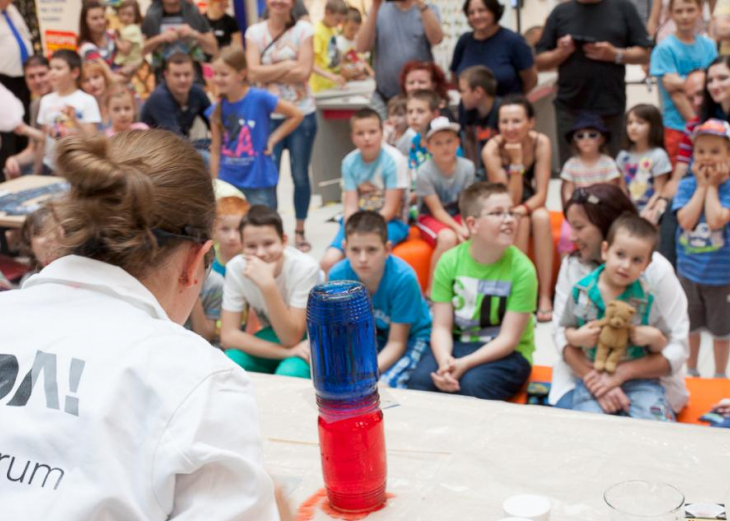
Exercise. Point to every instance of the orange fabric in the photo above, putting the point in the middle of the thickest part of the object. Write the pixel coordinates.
(417, 253)
(672, 139)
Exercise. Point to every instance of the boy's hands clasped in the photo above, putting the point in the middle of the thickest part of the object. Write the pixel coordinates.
(449, 373)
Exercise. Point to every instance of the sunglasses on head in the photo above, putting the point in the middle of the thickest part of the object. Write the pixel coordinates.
(587, 134)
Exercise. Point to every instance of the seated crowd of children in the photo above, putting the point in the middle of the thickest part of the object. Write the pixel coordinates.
(476, 190)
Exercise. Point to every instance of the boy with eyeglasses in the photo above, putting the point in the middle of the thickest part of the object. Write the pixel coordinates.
(484, 293)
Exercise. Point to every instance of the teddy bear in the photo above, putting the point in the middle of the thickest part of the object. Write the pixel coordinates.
(616, 329)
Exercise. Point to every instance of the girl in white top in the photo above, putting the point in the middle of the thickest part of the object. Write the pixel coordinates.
(590, 212)
(280, 54)
(111, 409)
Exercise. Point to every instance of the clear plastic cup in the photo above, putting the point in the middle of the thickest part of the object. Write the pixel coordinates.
(644, 501)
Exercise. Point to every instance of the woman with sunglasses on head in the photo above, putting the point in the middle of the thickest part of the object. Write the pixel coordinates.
(140, 414)
(590, 212)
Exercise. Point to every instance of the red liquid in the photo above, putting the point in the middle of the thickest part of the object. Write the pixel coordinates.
(353, 461)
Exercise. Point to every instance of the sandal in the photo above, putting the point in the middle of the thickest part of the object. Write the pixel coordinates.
(544, 315)
(301, 243)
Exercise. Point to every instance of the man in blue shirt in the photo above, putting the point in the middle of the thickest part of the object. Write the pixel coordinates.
(176, 102)
(402, 318)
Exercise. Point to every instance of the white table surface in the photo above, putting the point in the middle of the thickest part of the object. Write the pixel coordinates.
(454, 458)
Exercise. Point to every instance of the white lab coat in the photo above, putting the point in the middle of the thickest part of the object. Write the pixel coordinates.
(124, 415)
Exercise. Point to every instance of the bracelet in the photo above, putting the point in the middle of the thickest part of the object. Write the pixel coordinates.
(516, 169)
(662, 198)
(422, 9)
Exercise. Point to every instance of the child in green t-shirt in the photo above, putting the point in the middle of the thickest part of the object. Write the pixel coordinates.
(484, 293)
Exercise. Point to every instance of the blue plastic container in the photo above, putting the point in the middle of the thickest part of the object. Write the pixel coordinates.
(342, 336)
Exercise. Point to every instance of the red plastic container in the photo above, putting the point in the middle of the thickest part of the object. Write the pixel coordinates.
(352, 444)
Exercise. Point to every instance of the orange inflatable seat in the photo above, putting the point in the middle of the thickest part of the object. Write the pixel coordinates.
(417, 253)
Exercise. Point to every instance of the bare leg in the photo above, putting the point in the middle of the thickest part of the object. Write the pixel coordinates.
(331, 257)
(722, 349)
(445, 240)
(694, 353)
(522, 237)
(544, 253)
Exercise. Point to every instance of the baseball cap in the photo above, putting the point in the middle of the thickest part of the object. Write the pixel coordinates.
(440, 124)
(712, 127)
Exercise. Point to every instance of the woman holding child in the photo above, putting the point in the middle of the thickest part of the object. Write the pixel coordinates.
(134, 250)
(520, 158)
(591, 212)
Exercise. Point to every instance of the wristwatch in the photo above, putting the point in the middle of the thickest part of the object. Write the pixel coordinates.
(619, 57)
(423, 7)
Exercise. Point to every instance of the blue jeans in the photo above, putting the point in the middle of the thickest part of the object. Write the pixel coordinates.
(498, 380)
(265, 196)
(648, 400)
(566, 401)
(300, 144)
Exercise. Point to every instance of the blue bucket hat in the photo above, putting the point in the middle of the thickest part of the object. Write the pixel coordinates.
(588, 120)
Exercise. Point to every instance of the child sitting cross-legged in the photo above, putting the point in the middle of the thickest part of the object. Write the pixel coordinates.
(374, 177)
(626, 253)
(439, 182)
(273, 279)
(402, 318)
(484, 293)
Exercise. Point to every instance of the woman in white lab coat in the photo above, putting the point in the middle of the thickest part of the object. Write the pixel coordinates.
(109, 408)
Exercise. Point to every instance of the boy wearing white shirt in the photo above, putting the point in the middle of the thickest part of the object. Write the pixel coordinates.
(67, 110)
(274, 280)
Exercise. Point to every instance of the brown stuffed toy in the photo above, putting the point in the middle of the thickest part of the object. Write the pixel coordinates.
(614, 338)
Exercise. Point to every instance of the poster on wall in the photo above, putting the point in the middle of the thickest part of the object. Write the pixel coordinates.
(58, 22)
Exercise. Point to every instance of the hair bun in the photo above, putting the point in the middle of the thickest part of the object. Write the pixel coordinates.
(118, 184)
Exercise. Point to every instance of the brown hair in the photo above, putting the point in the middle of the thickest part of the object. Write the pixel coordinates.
(471, 200)
(35, 225)
(235, 57)
(480, 76)
(602, 203)
(134, 198)
(367, 221)
(653, 117)
(260, 215)
(365, 113)
(117, 90)
(177, 58)
(84, 33)
(336, 7)
(635, 226)
(353, 15)
(696, 2)
(429, 96)
(134, 5)
(397, 104)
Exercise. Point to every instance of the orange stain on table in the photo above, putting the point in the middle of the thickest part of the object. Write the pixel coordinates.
(308, 508)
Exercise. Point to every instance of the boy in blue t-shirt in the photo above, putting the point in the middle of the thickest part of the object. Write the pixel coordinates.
(402, 318)
(702, 204)
(374, 177)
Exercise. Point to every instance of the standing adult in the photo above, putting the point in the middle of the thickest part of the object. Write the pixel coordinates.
(519, 157)
(224, 26)
(15, 42)
(590, 212)
(173, 26)
(397, 32)
(94, 41)
(139, 394)
(280, 54)
(505, 52)
(177, 102)
(591, 42)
